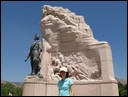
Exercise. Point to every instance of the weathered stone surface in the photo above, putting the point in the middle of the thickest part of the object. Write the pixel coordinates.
(69, 37)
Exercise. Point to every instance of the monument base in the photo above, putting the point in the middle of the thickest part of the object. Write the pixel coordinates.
(43, 87)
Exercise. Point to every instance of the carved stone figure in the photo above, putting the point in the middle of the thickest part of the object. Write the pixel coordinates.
(56, 61)
(54, 69)
(61, 58)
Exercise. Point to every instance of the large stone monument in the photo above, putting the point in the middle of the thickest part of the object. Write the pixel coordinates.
(69, 41)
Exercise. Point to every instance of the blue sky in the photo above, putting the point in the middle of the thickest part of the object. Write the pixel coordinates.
(20, 21)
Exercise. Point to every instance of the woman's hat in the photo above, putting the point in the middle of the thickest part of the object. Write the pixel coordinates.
(63, 69)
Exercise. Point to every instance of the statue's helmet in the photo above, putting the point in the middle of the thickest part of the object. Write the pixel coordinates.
(37, 37)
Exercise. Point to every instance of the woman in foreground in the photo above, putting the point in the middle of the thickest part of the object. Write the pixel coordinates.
(65, 85)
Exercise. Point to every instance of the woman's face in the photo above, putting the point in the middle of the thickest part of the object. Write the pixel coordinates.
(63, 74)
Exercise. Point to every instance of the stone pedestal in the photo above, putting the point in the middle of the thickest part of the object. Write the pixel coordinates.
(38, 87)
(34, 87)
(96, 88)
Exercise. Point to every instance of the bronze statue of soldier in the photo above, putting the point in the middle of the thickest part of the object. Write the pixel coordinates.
(34, 54)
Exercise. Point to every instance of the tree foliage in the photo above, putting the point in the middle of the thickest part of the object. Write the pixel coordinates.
(8, 87)
(122, 89)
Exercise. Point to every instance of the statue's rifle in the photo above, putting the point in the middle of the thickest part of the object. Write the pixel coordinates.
(27, 58)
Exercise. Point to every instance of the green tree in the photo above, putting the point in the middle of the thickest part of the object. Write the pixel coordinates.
(7, 88)
(122, 89)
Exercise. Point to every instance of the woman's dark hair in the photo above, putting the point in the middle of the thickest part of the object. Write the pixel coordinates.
(67, 75)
